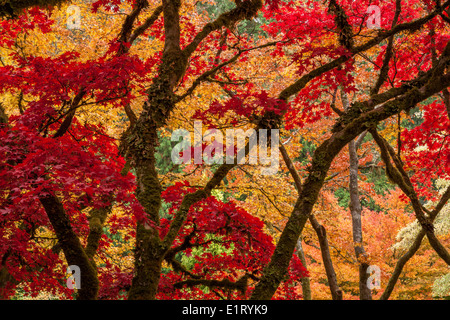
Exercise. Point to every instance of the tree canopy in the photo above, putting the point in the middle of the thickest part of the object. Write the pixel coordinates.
(348, 99)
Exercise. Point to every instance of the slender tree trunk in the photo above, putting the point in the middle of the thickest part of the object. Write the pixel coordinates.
(336, 292)
(355, 211)
(306, 283)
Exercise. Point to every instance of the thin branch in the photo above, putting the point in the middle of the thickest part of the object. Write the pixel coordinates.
(65, 125)
(384, 72)
(244, 10)
(207, 74)
(147, 24)
(397, 174)
(412, 249)
(382, 35)
(336, 292)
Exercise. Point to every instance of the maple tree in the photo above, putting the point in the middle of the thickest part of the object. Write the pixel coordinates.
(85, 169)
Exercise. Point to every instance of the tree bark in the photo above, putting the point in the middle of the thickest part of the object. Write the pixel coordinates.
(71, 246)
(148, 253)
(336, 292)
(355, 211)
(306, 285)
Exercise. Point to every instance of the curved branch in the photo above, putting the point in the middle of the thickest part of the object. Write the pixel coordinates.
(399, 176)
(149, 22)
(303, 81)
(244, 10)
(127, 26)
(336, 292)
(239, 285)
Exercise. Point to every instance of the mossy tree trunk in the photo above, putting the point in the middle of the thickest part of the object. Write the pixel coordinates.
(71, 246)
(148, 253)
(140, 141)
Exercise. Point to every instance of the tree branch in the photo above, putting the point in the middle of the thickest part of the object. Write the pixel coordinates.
(147, 24)
(412, 249)
(239, 285)
(71, 245)
(303, 81)
(65, 125)
(336, 292)
(127, 26)
(244, 10)
(399, 176)
(207, 74)
(389, 52)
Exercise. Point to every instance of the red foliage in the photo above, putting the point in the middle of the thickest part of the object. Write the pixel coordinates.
(33, 18)
(82, 168)
(234, 229)
(427, 148)
(246, 104)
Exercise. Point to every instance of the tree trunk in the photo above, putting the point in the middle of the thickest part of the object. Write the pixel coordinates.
(355, 211)
(148, 252)
(306, 285)
(336, 292)
(71, 246)
(148, 261)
